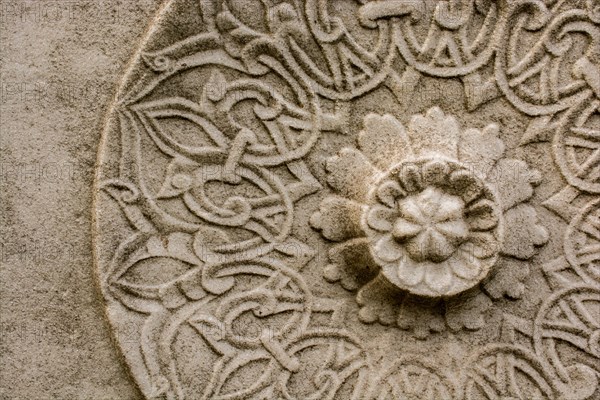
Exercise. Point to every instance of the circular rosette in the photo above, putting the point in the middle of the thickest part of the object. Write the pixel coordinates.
(421, 211)
(435, 227)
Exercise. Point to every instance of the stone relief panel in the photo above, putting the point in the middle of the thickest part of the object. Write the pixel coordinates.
(309, 199)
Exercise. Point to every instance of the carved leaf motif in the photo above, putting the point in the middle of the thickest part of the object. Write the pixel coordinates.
(255, 368)
(164, 272)
(153, 114)
(325, 55)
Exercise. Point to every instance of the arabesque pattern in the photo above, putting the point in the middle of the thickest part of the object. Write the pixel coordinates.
(208, 161)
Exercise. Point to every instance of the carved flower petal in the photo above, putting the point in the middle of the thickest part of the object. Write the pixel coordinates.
(410, 272)
(410, 177)
(351, 174)
(525, 232)
(480, 150)
(422, 315)
(384, 140)
(434, 134)
(387, 249)
(466, 185)
(379, 300)
(430, 245)
(389, 192)
(430, 200)
(404, 229)
(351, 264)
(438, 276)
(450, 209)
(418, 246)
(435, 172)
(481, 245)
(454, 230)
(338, 219)
(482, 215)
(514, 181)
(381, 218)
(411, 211)
(439, 247)
(465, 265)
(467, 311)
(507, 279)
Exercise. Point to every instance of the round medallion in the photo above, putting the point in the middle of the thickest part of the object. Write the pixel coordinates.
(435, 227)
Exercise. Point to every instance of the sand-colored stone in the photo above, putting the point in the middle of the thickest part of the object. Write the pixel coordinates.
(60, 65)
(333, 200)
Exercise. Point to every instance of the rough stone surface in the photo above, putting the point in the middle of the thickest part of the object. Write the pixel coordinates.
(61, 63)
(342, 200)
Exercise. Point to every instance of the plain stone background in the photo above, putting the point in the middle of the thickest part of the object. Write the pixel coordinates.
(60, 65)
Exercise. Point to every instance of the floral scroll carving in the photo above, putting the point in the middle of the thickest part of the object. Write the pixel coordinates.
(216, 202)
(433, 217)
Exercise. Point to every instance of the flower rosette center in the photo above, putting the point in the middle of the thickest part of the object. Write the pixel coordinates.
(434, 226)
(431, 221)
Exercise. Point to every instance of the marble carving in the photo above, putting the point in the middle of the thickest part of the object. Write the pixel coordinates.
(393, 199)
